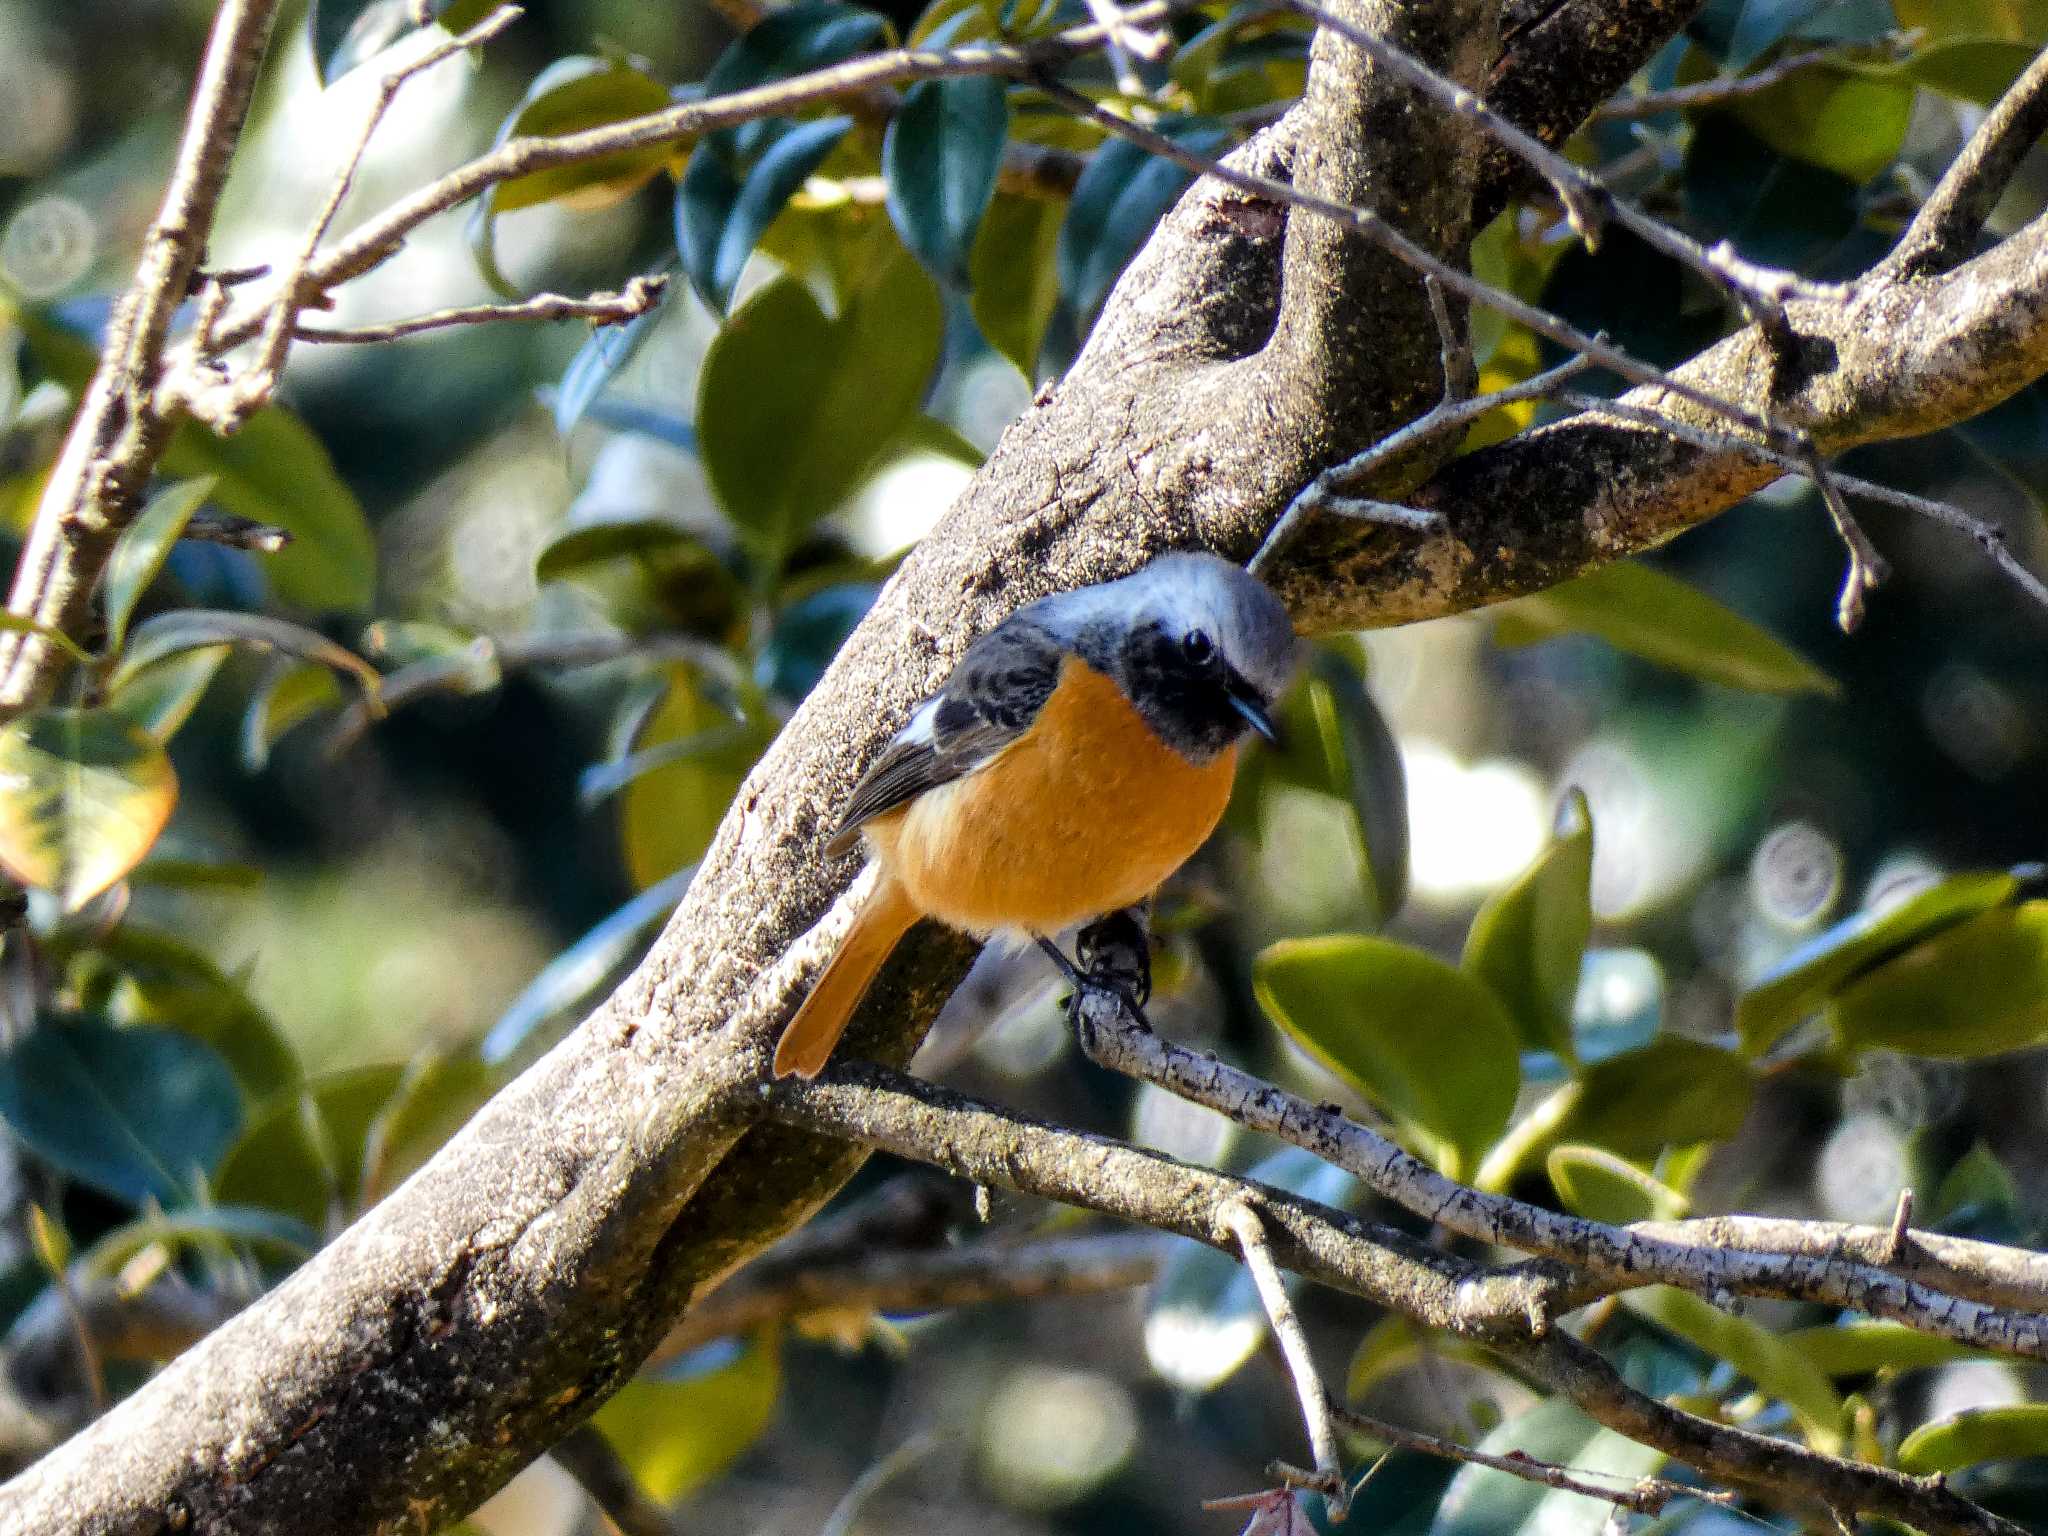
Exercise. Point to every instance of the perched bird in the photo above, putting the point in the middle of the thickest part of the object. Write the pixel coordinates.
(1079, 753)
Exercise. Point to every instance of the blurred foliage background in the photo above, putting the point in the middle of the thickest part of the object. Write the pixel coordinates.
(1746, 938)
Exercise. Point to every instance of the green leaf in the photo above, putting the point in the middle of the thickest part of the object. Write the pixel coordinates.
(1639, 609)
(1842, 120)
(84, 794)
(1484, 1502)
(138, 1113)
(939, 158)
(721, 214)
(302, 1152)
(1204, 1319)
(679, 1426)
(1529, 939)
(1802, 982)
(1353, 1003)
(1777, 1369)
(290, 692)
(346, 33)
(1368, 771)
(1670, 1093)
(204, 1228)
(794, 407)
(1982, 1434)
(1861, 1346)
(1977, 988)
(2015, 21)
(573, 977)
(1978, 69)
(597, 362)
(668, 813)
(164, 980)
(1596, 1184)
(1978, 1191)
(436, 1099)
(161, 697)
(1014, 284)
(1121, 196)
(569, 96)
(809, 35)
(186, 629)
(19, 624)
(141, 551)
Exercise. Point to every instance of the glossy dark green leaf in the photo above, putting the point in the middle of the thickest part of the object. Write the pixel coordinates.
(1013, 283)
(1977, 988)
(1353, 1003)
(939, 159)
(679, 1426)
(788, 41)
(1594, 1183)
(142, 549)
(1979, 1435)
(808, 634)
(569, 96)
(1776, 1368)
(1369, 773)
(84, 794)
(160, 697)
(722, 210)
(1639, 609)
(1977, 69)
(1861, 1346)
(346, 33)
(598, 542)
(1203, 1318)
(302, 1152)
(597, 362)
(1802, 982)
(1120, 197)
(572, 979)
(1670, 1093)
(794, 407)
(668, 813)
(1528, 940)
(138, 1113)
(1484, 1502)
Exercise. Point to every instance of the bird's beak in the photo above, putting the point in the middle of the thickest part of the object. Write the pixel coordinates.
(1246, 701)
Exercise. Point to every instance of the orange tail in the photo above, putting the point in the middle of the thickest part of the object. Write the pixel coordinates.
(809, 1037)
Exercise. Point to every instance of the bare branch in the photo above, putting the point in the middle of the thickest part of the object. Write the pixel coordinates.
(1242, 1223)
(1946, 228)
(629, 303)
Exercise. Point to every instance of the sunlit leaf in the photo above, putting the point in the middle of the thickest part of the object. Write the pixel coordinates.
(83, 795)
(1353, 1003)
(142, 549)
(1860, 1346)
(1670, 1093)
(1976, 988)
(1014, 285)
(1982, 1434)
(204, 1228)
(2016, 21)
(939, 158)
(1484, 1502)
(1204, 1318)
(1639, 609)
(436, 1098)
(1596, 1184)
(681, 1425)
(793, 406)
(290, 692)
(667, 815)
(136, 1113)
(302, 1152)
(569, 96)
(1841, 120)
(1777, 1369)
(597, 362)
(1802, 982)
(788, 41)
(1528, 940)
(161, 696)
(185, 629)
(1978, 69)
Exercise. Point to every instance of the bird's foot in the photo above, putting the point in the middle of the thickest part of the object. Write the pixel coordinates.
(1115, 966)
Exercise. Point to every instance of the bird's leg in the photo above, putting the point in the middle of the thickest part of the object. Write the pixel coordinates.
(1116, 966)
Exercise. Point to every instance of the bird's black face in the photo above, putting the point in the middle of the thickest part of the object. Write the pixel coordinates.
(1188, 691)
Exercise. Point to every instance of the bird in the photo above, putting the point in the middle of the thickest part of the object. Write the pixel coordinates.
(1075, 757)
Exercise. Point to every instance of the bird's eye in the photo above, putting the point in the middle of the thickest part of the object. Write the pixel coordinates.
(1198, 647)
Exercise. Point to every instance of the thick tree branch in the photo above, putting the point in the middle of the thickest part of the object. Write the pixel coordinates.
(1949, 223)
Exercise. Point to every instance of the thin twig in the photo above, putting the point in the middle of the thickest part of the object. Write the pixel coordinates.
(210, 526)
(1326, 493)
(599, 1471)
(1788, 439)
(1643, 1496)
(1901, 1229)
(877, 1477)
(225, 403)
(629, 303)
(1724, 89)
(1588, 201)
(1244, 1225)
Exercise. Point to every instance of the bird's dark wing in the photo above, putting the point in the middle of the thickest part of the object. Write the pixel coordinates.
(988, 703)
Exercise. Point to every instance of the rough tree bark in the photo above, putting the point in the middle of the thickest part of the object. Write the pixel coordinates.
(485, 1309)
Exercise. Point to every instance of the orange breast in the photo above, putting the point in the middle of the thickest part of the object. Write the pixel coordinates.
(1088, 812)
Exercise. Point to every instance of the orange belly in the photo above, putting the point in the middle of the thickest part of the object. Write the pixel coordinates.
(1088, 812)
